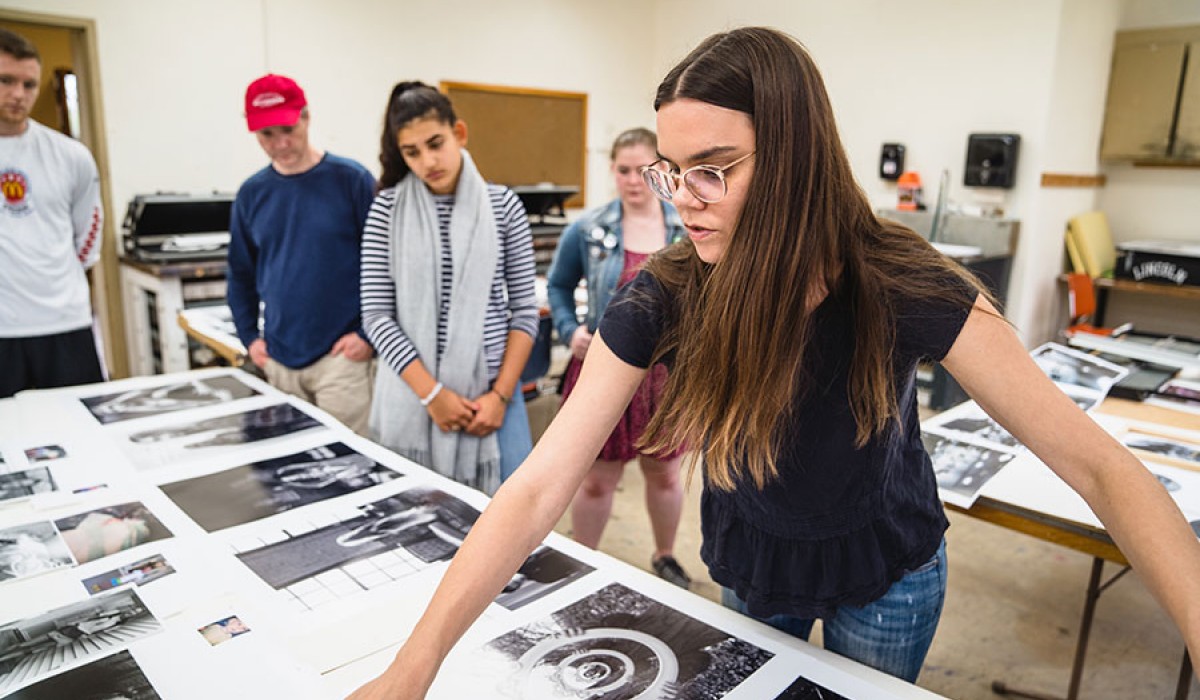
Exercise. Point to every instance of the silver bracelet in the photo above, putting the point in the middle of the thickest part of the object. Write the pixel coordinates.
(437, 389)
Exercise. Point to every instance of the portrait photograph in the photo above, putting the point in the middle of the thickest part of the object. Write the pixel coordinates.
(261, 489)
(223, 630)
(167, 398)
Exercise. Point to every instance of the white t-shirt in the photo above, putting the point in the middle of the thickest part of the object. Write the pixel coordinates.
(50, 228)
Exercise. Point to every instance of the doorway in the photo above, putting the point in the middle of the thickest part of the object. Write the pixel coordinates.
(69, 101)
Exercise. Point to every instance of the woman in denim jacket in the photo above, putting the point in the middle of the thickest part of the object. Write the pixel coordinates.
(607, 247)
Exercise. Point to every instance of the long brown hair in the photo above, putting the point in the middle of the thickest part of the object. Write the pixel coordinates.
(740, 329)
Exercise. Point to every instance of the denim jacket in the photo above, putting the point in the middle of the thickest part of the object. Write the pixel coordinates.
(593, 248)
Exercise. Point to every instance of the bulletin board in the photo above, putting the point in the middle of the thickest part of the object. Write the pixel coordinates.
(525, 136)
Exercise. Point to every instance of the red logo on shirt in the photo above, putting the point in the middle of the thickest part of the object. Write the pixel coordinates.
(15, 188)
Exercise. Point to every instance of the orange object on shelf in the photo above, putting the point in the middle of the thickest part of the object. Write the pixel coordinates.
(908, 190)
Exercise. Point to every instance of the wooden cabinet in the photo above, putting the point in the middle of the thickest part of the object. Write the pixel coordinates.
(1152, 113)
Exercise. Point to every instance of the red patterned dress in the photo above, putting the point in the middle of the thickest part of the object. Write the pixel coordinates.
(620, 444)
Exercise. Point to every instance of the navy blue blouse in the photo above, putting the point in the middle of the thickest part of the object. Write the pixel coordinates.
(840, 524)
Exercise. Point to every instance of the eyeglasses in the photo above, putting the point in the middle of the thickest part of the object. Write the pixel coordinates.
(705, 182)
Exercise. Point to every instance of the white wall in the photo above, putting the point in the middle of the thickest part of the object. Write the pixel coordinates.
(174, 72)
(926, 73)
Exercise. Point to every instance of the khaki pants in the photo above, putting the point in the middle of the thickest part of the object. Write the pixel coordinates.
(338, 386)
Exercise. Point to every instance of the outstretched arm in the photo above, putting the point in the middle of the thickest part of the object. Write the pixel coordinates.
(516, 521)
(994, 368)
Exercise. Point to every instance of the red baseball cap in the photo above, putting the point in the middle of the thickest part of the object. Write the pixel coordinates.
(273, 100)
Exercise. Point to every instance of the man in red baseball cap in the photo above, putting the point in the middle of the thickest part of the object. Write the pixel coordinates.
(273, 100)
(295, 238)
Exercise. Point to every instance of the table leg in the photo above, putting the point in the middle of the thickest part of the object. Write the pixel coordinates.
(1184, 686)
(1085, 630)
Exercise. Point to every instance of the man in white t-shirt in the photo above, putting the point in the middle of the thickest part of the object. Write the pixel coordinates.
(50, 223)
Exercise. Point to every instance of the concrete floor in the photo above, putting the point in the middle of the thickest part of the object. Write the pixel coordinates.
(1012, 608)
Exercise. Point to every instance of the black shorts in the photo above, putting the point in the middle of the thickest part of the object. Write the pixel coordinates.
(48, 361)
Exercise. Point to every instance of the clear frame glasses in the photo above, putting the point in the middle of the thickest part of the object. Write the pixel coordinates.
(705, 182)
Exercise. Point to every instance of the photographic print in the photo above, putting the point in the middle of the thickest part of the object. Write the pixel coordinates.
(237, 429)
(177, 396)
(804, 689)
(115, 677)
(1176, 388)
(138, 573)
(616, 644)
(1066, 366)
(23, 484)
(34, 647)
(223, 630)
(970, 418)
(390, 539)
(961, 467)
(545, 571)
(98, 533)
(426, 524)
(31, 549)
(261, 489)
(1163, 449)
(45, 453)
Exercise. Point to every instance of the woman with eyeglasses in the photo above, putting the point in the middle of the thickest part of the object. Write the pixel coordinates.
(792, 321)
(447, 298)
(607, 247)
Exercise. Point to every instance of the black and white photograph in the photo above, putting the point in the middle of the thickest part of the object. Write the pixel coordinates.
(428, 524)
(115, 677)
(545, 571)
(23, 484)
(138, 573)
(261, 489)
(962, 468)
(98, 533)
(30, 549)
(971, 419)
(34, 647)
(177, 396)
(1073, 368)
(237, 429)
(804, 689)
(617, 644)
(45, 453)
(1185, 454)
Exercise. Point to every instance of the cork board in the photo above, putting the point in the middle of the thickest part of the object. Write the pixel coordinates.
(525, 136)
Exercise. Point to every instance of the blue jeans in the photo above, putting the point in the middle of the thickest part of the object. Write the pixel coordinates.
(513, 436)
(891, 633)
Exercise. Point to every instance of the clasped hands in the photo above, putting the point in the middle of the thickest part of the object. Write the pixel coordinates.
(479, 417)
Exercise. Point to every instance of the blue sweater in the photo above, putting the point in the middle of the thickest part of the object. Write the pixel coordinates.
(294, 245)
